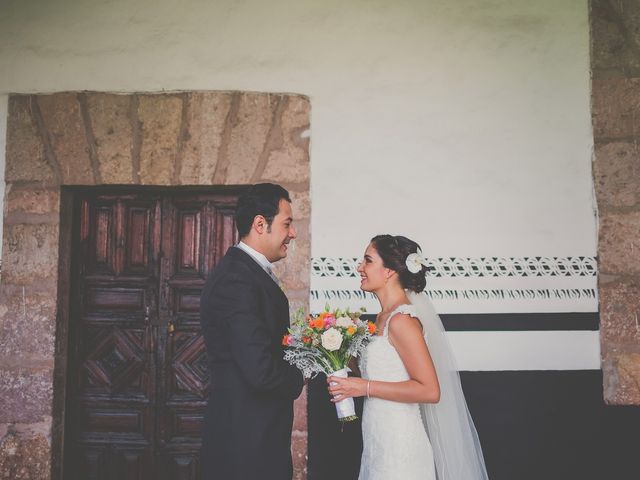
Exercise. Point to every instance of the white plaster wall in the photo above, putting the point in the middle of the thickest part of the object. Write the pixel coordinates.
(463, 124)
(543, 350)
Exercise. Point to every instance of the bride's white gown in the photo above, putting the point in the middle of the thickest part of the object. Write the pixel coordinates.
(396, 445)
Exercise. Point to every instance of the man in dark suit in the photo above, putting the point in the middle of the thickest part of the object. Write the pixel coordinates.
(244, 315)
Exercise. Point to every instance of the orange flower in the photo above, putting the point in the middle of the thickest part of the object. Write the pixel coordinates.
(285, 340)
(306, 339)
(318, 322)
(372, 327)
(351, 330)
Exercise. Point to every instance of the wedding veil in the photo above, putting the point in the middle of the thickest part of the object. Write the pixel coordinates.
(454, 439)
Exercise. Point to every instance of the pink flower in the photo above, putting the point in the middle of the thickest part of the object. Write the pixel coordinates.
(329, 321)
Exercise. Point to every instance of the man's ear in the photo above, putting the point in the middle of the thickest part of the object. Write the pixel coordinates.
(259, 224)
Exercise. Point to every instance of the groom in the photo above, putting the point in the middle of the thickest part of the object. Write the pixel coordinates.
(244, 315)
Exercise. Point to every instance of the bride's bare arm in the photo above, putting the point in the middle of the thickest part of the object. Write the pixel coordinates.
(405, 333)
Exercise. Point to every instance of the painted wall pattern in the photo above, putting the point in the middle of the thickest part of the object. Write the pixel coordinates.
(474, 285)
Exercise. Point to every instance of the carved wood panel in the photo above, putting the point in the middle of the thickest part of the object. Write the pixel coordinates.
(137, 373)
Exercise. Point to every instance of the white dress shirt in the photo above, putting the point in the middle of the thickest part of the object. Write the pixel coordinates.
(260, 258)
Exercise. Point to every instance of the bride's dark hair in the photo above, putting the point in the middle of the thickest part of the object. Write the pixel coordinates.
(393, 251)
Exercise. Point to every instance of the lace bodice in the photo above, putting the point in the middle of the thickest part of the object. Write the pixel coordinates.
(395, 441)
(385, 363)
(405, 309)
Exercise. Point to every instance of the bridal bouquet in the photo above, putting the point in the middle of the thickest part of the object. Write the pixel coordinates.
(325, 343)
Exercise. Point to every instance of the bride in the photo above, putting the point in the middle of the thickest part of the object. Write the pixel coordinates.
(415, 424)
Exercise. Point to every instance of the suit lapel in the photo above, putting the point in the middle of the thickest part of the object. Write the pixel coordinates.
(275, 292)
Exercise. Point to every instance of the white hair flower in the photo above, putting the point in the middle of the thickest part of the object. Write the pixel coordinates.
(415, 261)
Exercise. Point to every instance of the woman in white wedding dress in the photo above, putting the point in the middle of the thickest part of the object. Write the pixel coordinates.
(415, 424)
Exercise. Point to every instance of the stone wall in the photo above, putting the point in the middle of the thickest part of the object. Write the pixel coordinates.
(615, 62)
(177, 139)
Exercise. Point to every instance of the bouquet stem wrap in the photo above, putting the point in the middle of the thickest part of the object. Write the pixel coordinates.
(346, 408)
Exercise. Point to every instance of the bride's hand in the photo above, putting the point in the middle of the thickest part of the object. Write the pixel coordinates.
(341, 388)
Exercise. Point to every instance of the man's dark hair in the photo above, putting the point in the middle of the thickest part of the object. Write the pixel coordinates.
(260, 199)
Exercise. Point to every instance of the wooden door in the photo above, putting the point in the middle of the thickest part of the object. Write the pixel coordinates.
(138, 376)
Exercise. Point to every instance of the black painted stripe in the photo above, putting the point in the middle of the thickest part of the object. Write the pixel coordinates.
(514, 322)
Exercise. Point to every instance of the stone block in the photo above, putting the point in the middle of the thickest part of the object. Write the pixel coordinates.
(160, 117)
(27, 322)
(298, 300)
(205, 121)
(111, 122)
(25, 457)
(614, 34)
(617, 174)
(249, 129)
(619, 311)
(66, 129)
(615, 106)
(301, 206)
(299, 456)
(25, 152)
(290, 162)
(619, 243)
(30, 253)
(294, 270)
(296, 120)
(300, 412)
(622, 379)
(287, 165)
(31, 201)
(25, 396)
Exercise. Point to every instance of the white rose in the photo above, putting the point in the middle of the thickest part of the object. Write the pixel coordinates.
(344, 322)
(331, 339)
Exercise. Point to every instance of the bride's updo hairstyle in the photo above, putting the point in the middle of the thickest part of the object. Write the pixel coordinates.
(393, 251)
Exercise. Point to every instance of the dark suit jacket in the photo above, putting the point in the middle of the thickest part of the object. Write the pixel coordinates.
(244, 314)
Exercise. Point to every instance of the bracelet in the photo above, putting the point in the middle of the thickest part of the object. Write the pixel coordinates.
(368, 386)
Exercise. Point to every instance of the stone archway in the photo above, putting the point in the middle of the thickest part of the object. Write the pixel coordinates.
(172, 139)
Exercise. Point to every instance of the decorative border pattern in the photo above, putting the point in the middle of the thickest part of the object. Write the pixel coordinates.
(470, 294)
(474, 267)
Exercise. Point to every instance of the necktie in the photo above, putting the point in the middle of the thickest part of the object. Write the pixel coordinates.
(272, 275)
